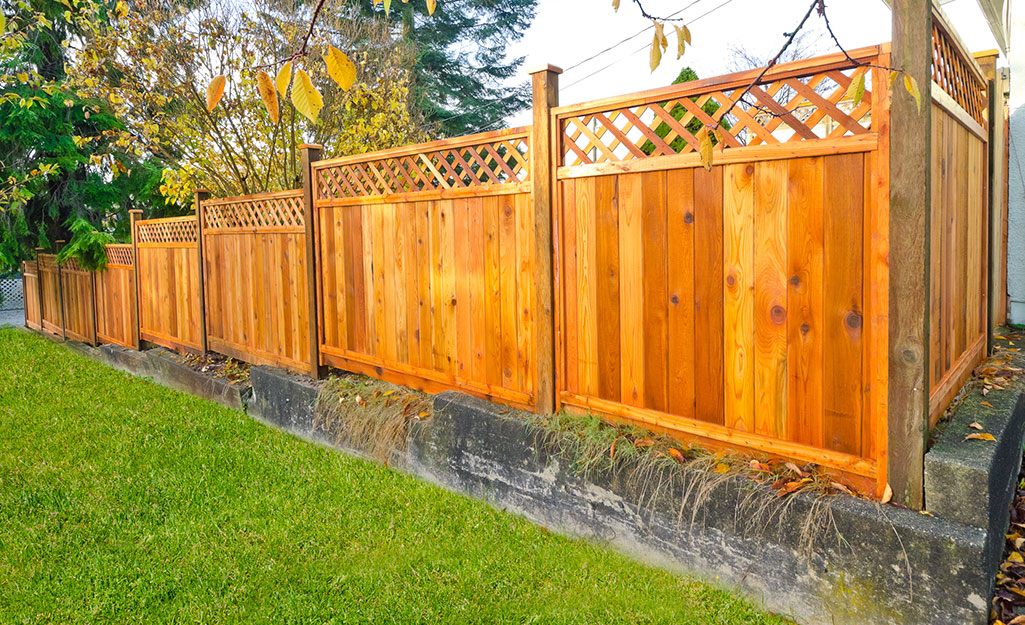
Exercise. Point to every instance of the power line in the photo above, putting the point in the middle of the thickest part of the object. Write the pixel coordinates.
(634, 36)
(642, 48)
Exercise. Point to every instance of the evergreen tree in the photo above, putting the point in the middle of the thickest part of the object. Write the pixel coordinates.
(461, 73)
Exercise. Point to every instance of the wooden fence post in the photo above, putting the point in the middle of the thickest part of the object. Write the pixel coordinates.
(201, 195)
(545, 81)
(60, 291)
(310, 154)
(910, 156)
(134, 216)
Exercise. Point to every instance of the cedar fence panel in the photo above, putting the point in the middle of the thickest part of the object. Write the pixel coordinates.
(50, 294)
(425, 265)
(740, 306)
(256, 286)
(167, 268)
(116, 309)
(30, 276)
(959, 257)
(78, 300)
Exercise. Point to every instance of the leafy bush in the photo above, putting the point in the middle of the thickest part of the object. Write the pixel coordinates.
(86, 245)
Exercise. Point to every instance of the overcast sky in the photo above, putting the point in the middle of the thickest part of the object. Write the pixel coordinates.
(567, 32)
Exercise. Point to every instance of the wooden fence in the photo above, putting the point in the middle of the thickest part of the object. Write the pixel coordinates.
(425, 265)
(959, 221)
(730, 304)
(256, 280)
(77, 300)
(30, 282)
(167, 263)
(743, 306)
(116, 308)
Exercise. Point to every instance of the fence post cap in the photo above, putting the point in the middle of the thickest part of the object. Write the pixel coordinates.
(311, 146)
(135, 211)
(544, 67)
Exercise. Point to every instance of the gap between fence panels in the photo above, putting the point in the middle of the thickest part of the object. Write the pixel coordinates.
(741, 307)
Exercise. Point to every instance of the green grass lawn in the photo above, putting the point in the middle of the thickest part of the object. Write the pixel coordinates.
(125, 502)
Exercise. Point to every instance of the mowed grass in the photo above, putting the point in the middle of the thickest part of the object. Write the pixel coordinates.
(125, 502)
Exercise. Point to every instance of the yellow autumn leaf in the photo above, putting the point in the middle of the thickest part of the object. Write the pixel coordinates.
(431, 5)
(387, 7)
(887, 495)
(305, 97)
(660, 35)
(686, 33)
(214, 92)
(681, 42)
(981, 436)
(912, 87)
(283, 78)
(615, 5)
(892, 76)
(705, 148)
(721, 468)
(270, 97)
(340, 68)
(856, 90)
(656, 53)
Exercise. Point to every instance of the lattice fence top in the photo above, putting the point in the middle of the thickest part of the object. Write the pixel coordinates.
(47, 261)
(956, 73)
(121, 255)
(281, 211)
(486, 159)
(174, 230)
(795, 102)
(28, 267)
(72, 264)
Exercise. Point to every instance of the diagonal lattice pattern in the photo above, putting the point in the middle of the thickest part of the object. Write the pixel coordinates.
(47, 261)
(778, 111)
(956, 75)
(71, 264)
(172, 230)
(278, 211)
(120, 254)
(496, 160)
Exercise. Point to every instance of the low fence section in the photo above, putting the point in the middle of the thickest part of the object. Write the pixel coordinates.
(116, 307)
(425, 265)
(254, 252)
(52, 316)
(30, 282)
(167, 268)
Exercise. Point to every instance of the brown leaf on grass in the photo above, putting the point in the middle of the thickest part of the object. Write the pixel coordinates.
(796, 469)
(986, 403)
(360, 401)
(677, 455)
(792, 487)
(1018, 620)
(887, 495)
(975, 425)
(721, 468)
(612, 449)
(980, 436)
(644, 442)
(423, 415)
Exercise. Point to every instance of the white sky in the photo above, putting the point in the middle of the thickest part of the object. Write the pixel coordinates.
(566, 32)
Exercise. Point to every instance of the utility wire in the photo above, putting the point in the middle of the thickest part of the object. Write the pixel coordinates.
(642, 48)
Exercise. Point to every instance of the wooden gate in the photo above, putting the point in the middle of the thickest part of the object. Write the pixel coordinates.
(425, 265)
(116, 309)
(745, 305)
(254, 253)
(167, 268)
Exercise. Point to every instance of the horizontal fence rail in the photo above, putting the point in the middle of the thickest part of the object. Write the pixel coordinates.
(426, 288)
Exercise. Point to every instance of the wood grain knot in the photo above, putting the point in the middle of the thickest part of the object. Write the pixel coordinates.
(731, 280)
(805, 328)
(675, 299)
(688, 218)
(853, 320)
(778, 314)
(749, 170)
(508, 211)
(795, 280)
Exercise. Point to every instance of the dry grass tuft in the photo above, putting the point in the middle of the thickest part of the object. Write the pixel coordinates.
(664, 473)
(367, 415)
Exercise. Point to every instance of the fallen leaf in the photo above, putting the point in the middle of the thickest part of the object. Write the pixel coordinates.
(423, 414)
(980, 436)
(721, 468)
(677, 455)
(986, 403)
(612, 449)
(644, 442)
(841, 487)
(887, 495)
(796, 469)
(760, 466)
(975, 425)
(1018, 620)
